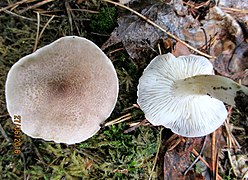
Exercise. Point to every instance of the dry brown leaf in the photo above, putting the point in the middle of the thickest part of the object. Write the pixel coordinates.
(139, 38)
(180, 50)
(177, 161)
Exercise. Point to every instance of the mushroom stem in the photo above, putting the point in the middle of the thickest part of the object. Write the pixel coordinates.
(218, 87)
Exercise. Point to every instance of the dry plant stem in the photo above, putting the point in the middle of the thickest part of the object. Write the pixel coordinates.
(205, 162)
(159, 49)
(175, 144)
(216, 166)
(5, 115)
(37, 32)
(36, 5)
(244, 11)
(197, 6)
(120, 119)
(24, 166)
(159, 27)
(230, 141)
(37, 152)
(68, 10)
(245, 175)
(19, 16)
(156, 157)
(198, 157)
(43, 29)
(213, 141)
(229, 146)
(86, 10)
(116, 50)
(38, 35)
(4, 134)
(128, 108)
(12, 5)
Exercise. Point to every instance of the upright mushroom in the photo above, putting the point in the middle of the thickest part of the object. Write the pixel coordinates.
(182, 94)
(63, 91)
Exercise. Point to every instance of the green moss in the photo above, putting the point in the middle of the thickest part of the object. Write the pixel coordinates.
(105, 21)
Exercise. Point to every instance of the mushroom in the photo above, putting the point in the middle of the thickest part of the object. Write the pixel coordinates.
(63, 91)
(183, 94)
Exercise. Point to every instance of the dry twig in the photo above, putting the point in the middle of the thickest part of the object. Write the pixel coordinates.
(213, 141)
(119, 120)
(4, 134)
(19, 16)
(156, 157)
(35, 5)
(39, 34)
(243, 11)
(198, 157)
(15, 4)
(203, 160)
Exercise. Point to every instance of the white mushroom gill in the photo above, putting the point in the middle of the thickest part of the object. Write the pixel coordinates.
(186, 114)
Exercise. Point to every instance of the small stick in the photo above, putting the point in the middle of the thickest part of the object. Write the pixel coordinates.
(245, 11)
(217, 166)
(159, 27)
(115, 50)
(204, 161)
(35, 5)
(5, 115)
(38, 36)
(12, 5)
(68, 10)
(43, 29)
(213, 152)
(229, 145)
(197, 6)
(198, 157)
(4, 134)
(19, 16)
(156, 157)
(175, 144)
(24, 166)
(131, 107)
(120, 119)
(37, 32)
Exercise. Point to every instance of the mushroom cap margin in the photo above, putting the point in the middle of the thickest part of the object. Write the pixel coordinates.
(63, 91)
(190, 116)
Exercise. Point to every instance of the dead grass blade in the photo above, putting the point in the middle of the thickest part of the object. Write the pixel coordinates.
(35, 5)
(156, 157)
(39, 34)
(15, 4)
(119, 120)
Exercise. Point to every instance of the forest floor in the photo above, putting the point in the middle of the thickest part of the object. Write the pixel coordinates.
(132, 148)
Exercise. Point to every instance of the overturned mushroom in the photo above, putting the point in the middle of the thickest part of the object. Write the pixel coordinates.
(182, 94)
(63, 91)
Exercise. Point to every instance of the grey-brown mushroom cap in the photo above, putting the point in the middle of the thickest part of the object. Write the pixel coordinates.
(63, 91)
(185, 114)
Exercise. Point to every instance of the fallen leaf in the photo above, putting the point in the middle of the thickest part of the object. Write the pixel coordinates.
(177, 161)
(180, 50)
(140, 38)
